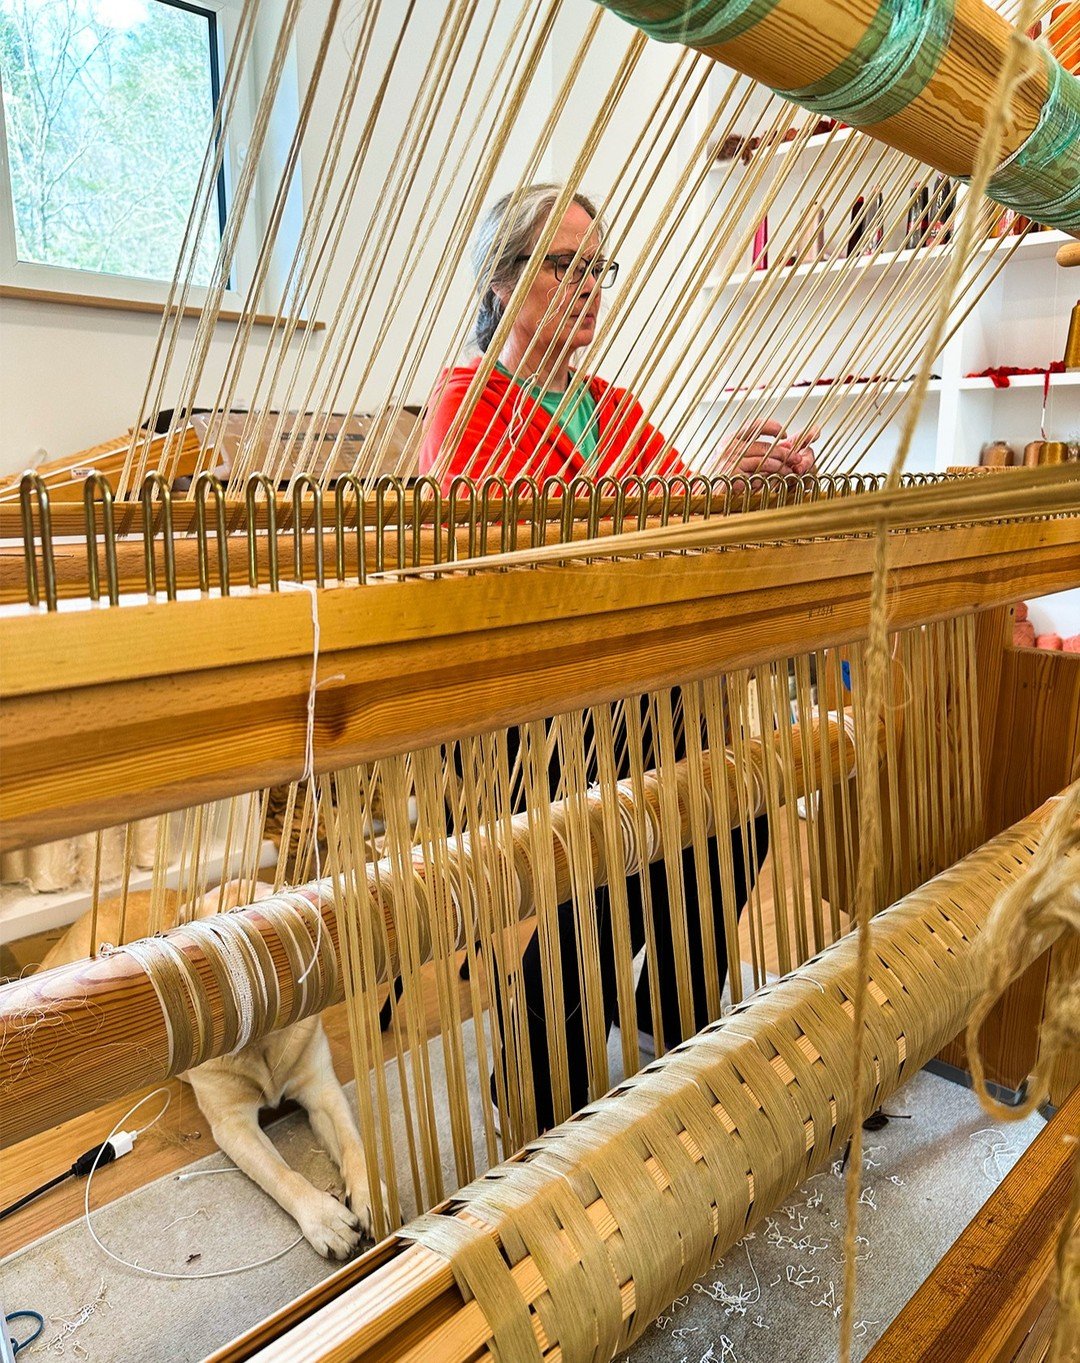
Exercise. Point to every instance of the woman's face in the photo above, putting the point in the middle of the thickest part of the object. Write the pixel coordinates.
(559, 316)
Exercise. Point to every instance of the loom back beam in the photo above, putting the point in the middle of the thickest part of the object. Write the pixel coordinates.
(53, 1020)
(696, 1148)
(207, 698)
(920, 77)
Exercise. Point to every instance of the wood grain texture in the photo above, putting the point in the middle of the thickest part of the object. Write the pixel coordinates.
(1037, 1341)
(981, 1301)
(108, 1006)
(993, 636)
(208, 698)
(797, 42)
(1036, 742)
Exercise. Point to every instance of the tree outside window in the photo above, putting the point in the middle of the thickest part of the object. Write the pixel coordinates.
(108, 107)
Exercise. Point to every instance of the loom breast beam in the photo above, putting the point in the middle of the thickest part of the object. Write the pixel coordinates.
(208, 698)
(722, 1129)
(139, 1035)
(920, 77)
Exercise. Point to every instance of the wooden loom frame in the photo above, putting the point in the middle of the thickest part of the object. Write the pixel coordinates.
(774, 43)
(739, 605)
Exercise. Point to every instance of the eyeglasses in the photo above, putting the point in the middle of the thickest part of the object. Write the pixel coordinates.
(605, 272)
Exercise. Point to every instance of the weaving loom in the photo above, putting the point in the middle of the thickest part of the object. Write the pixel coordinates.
(492, 698)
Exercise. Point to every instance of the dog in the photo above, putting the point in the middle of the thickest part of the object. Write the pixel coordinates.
(294, 1062)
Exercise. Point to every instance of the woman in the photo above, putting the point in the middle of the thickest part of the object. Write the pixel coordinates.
(536, 414)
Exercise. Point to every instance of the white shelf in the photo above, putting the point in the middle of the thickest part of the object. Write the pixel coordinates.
(1014, 312)
(1034, 246)
(1070, 379)
(886, 389)
(836, 137)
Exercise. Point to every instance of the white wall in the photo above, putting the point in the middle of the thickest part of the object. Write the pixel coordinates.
(1056, 614)
(72, 376)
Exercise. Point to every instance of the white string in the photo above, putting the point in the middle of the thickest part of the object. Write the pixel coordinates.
(155, 1272)
(308, 773)
(235, 950)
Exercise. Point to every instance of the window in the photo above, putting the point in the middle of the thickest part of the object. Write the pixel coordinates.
(107, 110)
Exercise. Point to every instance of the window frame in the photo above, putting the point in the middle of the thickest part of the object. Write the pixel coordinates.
(41, 280)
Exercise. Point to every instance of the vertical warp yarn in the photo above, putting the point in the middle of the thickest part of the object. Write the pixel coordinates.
(241, 965)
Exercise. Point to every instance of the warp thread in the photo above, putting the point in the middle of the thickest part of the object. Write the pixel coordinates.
(1027, 918)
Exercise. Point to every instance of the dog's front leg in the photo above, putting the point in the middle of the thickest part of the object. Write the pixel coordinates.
(317, 1087)
(231, 1105)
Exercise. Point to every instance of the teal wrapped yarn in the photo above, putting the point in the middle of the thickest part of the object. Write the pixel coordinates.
(890, 67)
(697, 23)
(1041, 179)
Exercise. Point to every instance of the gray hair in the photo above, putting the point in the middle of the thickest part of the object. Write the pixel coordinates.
(508, 231)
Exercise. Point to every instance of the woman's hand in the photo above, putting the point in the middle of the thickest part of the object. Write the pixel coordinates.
(765, 447)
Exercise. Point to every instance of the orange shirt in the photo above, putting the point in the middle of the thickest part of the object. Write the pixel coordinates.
(510, 435)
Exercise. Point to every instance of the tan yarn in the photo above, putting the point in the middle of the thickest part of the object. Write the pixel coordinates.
(1029, 916)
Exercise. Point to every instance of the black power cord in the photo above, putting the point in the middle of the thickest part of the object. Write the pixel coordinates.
(87, 1162)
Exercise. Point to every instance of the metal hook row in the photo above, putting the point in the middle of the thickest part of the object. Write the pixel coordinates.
(387, 522)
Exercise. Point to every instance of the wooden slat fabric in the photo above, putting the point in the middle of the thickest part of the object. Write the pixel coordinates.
(726, 1125)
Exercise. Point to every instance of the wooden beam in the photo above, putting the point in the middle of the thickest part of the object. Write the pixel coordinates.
(152, 707)
(109, 1007)
(1031, 751)
(401, 1301)
(1036, 739)
(799, 43)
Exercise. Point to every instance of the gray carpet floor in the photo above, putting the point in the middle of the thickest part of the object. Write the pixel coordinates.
(774, 1297)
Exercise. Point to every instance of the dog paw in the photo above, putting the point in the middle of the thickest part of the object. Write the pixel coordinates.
(359, 1199)
(329, 1226)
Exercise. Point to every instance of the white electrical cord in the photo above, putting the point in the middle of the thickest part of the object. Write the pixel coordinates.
(128, 1263)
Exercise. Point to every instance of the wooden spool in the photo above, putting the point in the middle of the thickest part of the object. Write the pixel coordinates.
(799, 42)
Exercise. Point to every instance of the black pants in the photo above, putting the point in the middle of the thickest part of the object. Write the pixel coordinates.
(744, 860)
